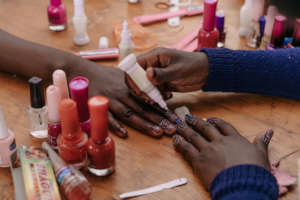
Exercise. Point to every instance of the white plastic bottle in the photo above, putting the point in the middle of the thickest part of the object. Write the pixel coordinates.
(126, 45)
(80, 24)
(246, 25)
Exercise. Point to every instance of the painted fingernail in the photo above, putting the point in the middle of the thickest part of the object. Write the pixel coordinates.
(167, 126)
(204, 119)
(211, 120)
(176, 139)
(157, 131)
(180, 125)
(188, 117)
(123, 133)
(268, 136)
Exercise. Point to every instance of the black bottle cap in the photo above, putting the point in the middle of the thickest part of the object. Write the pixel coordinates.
(37, 98)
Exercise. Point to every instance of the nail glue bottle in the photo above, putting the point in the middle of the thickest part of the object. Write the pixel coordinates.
(126, 45)
(80, 24)
(246, 19)
(138, 75)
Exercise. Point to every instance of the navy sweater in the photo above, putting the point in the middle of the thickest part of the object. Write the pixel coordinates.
(275, 73)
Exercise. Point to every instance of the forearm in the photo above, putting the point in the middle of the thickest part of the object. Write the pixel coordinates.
(27, 59)
(274, 73)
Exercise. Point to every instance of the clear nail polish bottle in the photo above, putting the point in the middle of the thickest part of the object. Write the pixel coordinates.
(37, 112)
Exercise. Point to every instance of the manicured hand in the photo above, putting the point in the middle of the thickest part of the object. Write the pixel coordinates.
(214, 145)
(174, 70)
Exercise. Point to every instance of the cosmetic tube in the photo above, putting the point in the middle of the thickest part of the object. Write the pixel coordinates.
(99, 54)
(71, 181)
(138, 75)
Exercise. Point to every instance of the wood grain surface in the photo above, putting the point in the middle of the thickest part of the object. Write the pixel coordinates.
(143, 161)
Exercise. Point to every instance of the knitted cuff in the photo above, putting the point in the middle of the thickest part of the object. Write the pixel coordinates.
(244, 182)
(222, 70)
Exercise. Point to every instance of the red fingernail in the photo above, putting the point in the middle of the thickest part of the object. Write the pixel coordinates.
(157, 131)
(124, 133)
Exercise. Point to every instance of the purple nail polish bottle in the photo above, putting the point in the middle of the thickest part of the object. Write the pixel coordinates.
(57, 16)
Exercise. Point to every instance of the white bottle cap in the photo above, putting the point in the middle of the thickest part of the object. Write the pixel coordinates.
(53, 100)
(128, 63)
(3, 128)
(79, 8)
(125, 35)
(103, 42)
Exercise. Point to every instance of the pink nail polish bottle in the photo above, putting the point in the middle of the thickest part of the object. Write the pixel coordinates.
(79, 87)
(208, 35)
(279, 30)
(54, 126)
(60, 81)
(7, 143)
(57, 16)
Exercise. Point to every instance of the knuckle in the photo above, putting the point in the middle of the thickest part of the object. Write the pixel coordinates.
(127, 113)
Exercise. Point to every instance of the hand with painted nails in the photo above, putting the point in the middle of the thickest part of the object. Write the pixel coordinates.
(174, 70)
(214, 145)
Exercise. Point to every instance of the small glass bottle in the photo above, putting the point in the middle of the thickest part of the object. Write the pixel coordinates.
(80, 24)
(37, 111)
(57, 16)
(7, 142)
(220, 21)
(126, 45)
(101, 148)
(71, 181)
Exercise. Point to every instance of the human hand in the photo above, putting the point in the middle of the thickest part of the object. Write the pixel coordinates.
(214, 145)
(110, 82)
(174, 70)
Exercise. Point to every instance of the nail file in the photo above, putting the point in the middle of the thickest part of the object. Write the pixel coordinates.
(181, 112)
(168, 185)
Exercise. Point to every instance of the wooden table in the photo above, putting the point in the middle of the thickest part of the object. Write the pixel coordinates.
(143, 161)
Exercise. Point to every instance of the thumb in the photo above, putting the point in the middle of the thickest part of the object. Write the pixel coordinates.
(159, 76)
(262, 141)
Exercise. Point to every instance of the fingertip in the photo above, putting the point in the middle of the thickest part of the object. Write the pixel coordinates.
(123, 133)
(177, 140)
(150, 72)
(157, 132)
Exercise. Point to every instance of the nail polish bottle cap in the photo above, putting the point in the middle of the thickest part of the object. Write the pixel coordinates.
(79, 91)
(103, 42)
(125, 35)
(53, 100)
(262, 23)
(79, 8)
(55, 2)
(279, 28)
(99, 112)
(69, 119)
(209, 16)
(220, 20)
(3, 128)
(37, 98)
(60, 81)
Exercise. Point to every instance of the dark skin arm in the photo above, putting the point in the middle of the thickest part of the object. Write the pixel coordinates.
(29, 59)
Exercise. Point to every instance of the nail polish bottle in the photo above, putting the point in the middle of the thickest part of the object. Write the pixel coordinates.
(270, 18)
(37, 112)
(262, 23)
(60, 81)
(138, 75)
(208, 35)
(296, 37)
(54, 126)
(246, 19)
(57, 16)
(278, 33)
(7, 142)
(101, 148)
(126, 45)
(72, 141)
(79, 87)
(80, 24)
(220, 21)
(71, 181)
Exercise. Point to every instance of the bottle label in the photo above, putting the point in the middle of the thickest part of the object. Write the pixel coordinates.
(62, 174)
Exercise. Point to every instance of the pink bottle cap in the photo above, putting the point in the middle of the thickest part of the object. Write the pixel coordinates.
(209, 17)
(53, 101)
(79, 91)
(279, 27)
(55, 2)
(60, 81)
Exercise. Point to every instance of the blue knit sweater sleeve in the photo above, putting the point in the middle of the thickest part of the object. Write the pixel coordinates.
(275, 72)
(246, 182)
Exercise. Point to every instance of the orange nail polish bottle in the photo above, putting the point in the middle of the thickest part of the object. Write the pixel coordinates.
(72, 141)
(101, 148)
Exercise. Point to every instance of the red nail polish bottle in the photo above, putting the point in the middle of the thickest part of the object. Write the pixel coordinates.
(101, 148)
(279, 30)
(79, 87)
(208, 35)
(72, 141)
